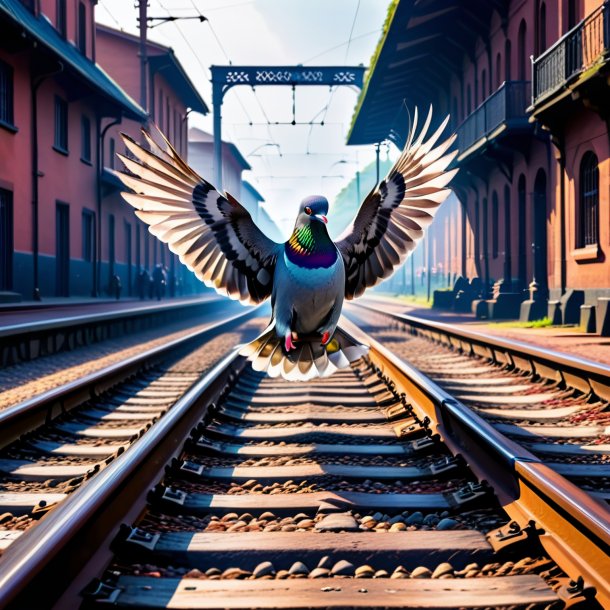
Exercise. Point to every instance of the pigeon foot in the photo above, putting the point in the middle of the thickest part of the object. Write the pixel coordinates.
(325, 338)
(288, 344)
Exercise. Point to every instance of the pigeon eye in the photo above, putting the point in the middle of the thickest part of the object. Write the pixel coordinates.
(308, 211)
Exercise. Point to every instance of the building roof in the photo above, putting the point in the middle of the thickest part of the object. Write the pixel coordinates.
(198, 136)
(163, 58)
(253, 191)
(48, 38)
(422, 45)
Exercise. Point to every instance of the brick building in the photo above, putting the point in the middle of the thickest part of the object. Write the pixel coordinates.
(532, 139)
(67, 87)
(126, 245)
(53, 100)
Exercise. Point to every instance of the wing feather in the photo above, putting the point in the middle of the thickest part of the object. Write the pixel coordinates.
(396, 212)
(211, 232)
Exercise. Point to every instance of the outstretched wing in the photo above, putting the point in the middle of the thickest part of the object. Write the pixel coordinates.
(396, 212)
(213, 234)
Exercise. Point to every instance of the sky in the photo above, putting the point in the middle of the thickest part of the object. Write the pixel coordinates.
(314, 158)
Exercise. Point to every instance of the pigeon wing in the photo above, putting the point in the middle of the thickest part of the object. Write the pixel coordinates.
(398, 210)
(213, 234)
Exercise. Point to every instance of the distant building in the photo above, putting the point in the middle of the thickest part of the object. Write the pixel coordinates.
(127, 246)
(532, 138)
(201, 155)
(252, 200)
(54, 99)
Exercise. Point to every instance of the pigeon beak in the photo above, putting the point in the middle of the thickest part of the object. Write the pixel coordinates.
(321, 217)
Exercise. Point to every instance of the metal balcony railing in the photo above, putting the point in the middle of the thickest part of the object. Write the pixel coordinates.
(506, 104)
(579, 49)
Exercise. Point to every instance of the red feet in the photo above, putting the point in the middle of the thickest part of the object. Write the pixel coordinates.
(325, 338)
(288, 344)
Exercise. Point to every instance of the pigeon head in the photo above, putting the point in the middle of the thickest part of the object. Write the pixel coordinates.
(313, 209)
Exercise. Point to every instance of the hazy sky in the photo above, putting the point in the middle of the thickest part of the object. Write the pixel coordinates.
(274, 32)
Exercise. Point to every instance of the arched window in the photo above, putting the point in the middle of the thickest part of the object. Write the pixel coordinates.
(507, 60)
(495, 225)
(507, 235)
(498, 70)
(588, 204)
(542, 28)
(82, 28)
(483, 85)
(522, 249)
(572, 13)
(522, 59)
(469, 99)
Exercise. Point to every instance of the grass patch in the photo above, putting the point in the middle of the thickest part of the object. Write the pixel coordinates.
(543, 323)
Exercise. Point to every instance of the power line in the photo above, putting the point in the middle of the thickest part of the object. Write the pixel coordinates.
(220, 45)
(218, 41)
(338, 46)
(351, 32)
(186, 40)
(111, 16)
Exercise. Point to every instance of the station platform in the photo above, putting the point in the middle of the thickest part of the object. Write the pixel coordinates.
(27, 312)
(567, 339)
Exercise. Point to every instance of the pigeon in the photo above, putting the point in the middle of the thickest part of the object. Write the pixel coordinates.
(308, 277)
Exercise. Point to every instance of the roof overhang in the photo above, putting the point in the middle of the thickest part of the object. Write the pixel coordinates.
(92, 76)
(174, 74)
(422, 45)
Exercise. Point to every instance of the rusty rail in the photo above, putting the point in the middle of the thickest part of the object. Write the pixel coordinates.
(73, 541)
(571, 525)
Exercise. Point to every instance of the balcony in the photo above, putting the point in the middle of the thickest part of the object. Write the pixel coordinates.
(573, 58)
(501, 112)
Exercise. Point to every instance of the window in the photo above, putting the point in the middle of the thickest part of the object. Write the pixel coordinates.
(507, 63)
(167, 117)
(6, 94)
(111, 240)
(469, 99)
(60, 17)
(85, 153)
(572, 13)
(522, 65)
(82, 28)
(588, 205)
(542, 28)
(160, 111)
(498, 70)
(88, 235)
(111, 153)
(128, 258)
(6, 240)
(495, 224)
(61, 125)
(483, 85)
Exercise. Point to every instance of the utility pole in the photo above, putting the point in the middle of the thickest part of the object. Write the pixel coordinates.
(143, 19)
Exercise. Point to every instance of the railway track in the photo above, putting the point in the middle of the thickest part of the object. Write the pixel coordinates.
(372, 488)
(62, 438)
(554, 405)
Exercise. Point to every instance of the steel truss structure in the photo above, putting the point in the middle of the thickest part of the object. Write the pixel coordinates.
(226, 77)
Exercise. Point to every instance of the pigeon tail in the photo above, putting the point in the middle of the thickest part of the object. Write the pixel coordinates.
(308, 360)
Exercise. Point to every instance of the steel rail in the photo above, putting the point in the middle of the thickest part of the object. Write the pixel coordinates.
(586, 375)
(575, 527)
(63, 545)
(31, 328)
(59, 549)
(36, 411)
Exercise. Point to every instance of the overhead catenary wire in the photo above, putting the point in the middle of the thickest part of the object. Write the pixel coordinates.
(351, 32)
